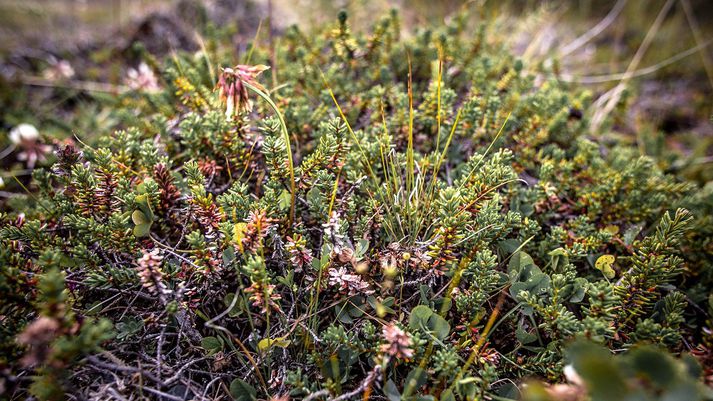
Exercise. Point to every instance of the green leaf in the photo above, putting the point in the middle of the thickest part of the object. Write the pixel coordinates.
(439, 326)
(559, 259)
(632, 232)
(447, 396)
(509, 245)
(228, 300)
(597, 368)
(138, 217)
(579, 290)
(382, 308)
(284, 199)
(142, 222)
(536, 284)
(361, 248)
(212, 345)
(242, 391)
(524, 337)
(142, 201)
(128, 326)
(443, 305)
(467, 387)
(659, 368)
(142, 230)
(612, 229)
(526, 276)
(228, 256)
(391, 391)
(414, 380)
(509, 391)
(423, 317)
(518, 262)
(314, 196)
(419, 316)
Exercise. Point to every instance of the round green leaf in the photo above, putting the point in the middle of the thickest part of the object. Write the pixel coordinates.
(242, 391)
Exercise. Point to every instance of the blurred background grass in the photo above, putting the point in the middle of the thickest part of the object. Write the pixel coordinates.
(670, 105)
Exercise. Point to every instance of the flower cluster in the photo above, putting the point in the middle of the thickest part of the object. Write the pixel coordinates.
(149, 270)
(233, 87)
(300, 256)
(142, 78)
(27, 139)
(348, 284)
(398, 342)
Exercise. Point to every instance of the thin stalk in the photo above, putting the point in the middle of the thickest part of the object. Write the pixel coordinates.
(438, 94)
(369, 168)
(334, 193)
(286, 137)
(601, 114)
(252, 45)
(502, 127)
(409, 147)
(441, 157)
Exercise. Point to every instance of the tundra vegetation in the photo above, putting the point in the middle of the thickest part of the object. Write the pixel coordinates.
(421, 217)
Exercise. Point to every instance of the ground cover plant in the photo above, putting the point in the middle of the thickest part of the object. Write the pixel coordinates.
(375, 216)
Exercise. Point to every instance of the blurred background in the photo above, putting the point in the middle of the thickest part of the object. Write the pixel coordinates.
(58, 57)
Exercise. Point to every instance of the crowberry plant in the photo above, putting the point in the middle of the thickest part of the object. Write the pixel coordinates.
(405, 218)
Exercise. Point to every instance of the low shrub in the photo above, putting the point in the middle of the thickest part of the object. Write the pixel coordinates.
(403, 218)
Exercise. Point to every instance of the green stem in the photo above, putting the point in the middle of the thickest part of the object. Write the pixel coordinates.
(286, 136)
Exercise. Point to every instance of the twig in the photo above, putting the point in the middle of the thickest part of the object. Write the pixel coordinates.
(368, 380)
(211, 325)
(315, 395)
(693, 23)
(115, 394)
(596, 30)
(601, 114)
(182, 369)
(86, 86)
(598, 79)
(159, 349)
(162, 394)
(111, 366)
(207, 387)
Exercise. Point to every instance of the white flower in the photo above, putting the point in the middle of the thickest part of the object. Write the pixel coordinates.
(23, 133)
(142, 78)
(59, 70)
(572, 375)
(2, 183)
(27, 139)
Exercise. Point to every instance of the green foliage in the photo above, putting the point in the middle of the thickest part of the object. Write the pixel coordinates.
(448, 226)
(645, 372)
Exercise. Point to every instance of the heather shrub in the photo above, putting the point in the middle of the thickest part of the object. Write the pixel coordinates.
(374, 216)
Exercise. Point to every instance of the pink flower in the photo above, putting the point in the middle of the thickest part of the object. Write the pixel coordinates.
(300, 256)
(142, 78)
(259, 293)
(233, 89)
(149, 269)
(398, 342)
(27, 138)
(349, 284)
